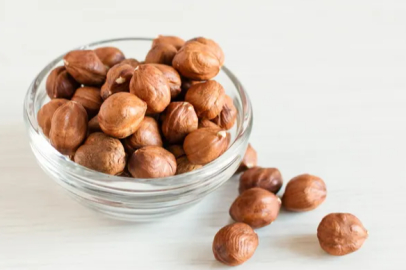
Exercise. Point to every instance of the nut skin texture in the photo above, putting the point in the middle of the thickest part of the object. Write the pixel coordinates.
(198, 60)
(341, 233)
(131, 61)
(93, 125)
(101, 153)
(205, 123)
(180, 119)
(60, 84)
(85, 67)
(152, 162)
(304, 193)
(68, 127)
(207, 98)
(89, 98)
(234, 244)
(176, 150)
(172, 40)
(173, 78)
(161, 54)
(109, 56)
(266, 178)
(184, 165)
(249, 160)
(147, 134)
(149, 84)
(228, 115)
(117, 80)
(256, 207)
(121, 114)
(46, 112)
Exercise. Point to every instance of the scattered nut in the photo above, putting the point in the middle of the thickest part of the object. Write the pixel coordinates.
(180, 120)
(256, 207)
(121, 114)
(93, 125)
(304, 193)
(207, 123)
(207, 98)
(152, 162)
(89, 98)
(131, 61)
(60, 84)
(117, 80)
(341, 233)
(174, 41)
(228, 115)
(146, 134)
(101, 153)
(249, 160)
(161, 54)
(109, 56)
(176, 150)
(234, 244)
(184, 165)
(46, 112)
(173, 78)
(68, 127)
(266, 178)
(205, 145)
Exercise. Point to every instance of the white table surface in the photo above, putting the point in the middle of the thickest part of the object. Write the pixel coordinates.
(328, 83)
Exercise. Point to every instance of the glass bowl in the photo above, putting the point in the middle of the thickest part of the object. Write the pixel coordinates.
(129, 198)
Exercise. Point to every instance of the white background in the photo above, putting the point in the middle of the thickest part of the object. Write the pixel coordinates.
(327, 80)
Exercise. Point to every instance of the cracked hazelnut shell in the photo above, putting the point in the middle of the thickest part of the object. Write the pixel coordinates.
(234, 244)
(152, 162)
(109, 56)
(341, 234)
(183, 165)
(102, 153)
(46, 112)
(89, 97)
(121, 114)
(256, 207)
(173, 79)
(117, 80)
(147, 134)
(266, 178)
(161, 54)
(180, 119)
(60, 84)
(172, 40)
(249, 160)
(228, 115)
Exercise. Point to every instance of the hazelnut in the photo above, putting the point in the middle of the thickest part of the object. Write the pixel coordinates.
(89, 97)
(249, 160)
(205, 145)
(184, 165)
(161, 54)
(146, 134)
(152, 162)
(85, 67)
(304, 193)
(172, 40)
(109, 56)
(68, 127)
(101, 153)
(94, 125)
(187, 83)
(173, 78)
(207, 123)
(121, 114)
(131, 61)
(256, 207)
(199, 59)
(149, 84)
(176, 150)
(117, 80)
(266, 178)
(341, 233)
(180, 119)
(228, 115)
(234, 244)
(60, 84)
(46, 112)
(207, 98)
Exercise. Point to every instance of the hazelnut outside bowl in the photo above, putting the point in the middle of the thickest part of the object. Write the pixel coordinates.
(125, 197)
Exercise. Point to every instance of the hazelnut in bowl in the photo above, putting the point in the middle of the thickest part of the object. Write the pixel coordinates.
(130, 144)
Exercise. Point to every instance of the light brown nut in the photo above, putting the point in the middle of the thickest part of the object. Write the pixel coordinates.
(176, 150)
(68, 127)
(205, 145)
(146, 134)
(180, 119)
(172, 40)
(89, 97)
(234, 244)
(341, 233)
(228, 115)
(304, 193)
(149, 84)
(117, 80)
(131, 61)
(60, 84)
(101, 153)
(256, 207)
(161, 54)
(249, 160)
(207, 123)
(266, 178)
(198, 60)
(184, 165)
(152, 162)
(207, 98)
(173, 78)
(85, 67)
(93, 125)
(110, 56)
(121, 114)
(46, 112)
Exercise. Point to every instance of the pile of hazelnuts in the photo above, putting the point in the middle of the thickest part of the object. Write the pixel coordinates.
(258, 206)
(150, 119)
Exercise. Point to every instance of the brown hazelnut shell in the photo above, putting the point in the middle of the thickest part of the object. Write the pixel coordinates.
(206, 123)
(172, 40)
(60, 84)
(117, 80)
(213, 45)
(228, 115)
(173, 78)
(249, 160)
(147, 134)
(184, 165)
(161, 54)
(109, 56)
(180, 119)
(93, 125)
(131, 61)
(46, 112)
(266, 178)
(176, 150)
(89, 98)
